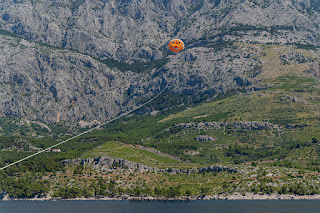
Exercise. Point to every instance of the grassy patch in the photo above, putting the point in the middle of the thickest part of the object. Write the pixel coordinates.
(124, 151)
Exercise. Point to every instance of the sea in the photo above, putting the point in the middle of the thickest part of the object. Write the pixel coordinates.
(254, 206)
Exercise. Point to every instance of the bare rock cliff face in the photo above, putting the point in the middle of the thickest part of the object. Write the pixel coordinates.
(137, 29)
(51, 85)
(48, 85)
(72, 80)
(109, 164)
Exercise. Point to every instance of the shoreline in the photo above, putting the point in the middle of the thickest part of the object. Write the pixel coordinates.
(236, 196)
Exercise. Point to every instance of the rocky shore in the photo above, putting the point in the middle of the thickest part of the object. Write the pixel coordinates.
(251, 196)
(235, 196)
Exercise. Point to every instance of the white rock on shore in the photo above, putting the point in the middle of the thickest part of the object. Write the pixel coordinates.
(235, 196)
(251, 196)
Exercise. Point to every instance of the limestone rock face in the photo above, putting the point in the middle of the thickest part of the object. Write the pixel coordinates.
(54, 85)
(236, 125)
(50, 85)
(72, 80)
(109, 163)
(137, 29)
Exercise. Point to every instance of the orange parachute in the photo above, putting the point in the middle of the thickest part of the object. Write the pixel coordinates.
(176, 45)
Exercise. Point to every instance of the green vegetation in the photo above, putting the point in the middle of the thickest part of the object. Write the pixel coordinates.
(24, 187)
(137, 67)
(131, 153)
(274, 159)
(8, 33)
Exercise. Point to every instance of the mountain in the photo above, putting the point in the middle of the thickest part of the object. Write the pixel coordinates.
(135, 30)
(256, 144)
(243, 94)
(89, 60)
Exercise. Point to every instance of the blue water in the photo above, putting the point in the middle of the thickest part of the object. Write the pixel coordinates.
(269, 206)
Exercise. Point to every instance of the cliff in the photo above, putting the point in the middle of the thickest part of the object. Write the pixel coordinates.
(89, 60)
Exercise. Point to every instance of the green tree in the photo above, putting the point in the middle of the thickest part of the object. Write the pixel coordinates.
(188, 192)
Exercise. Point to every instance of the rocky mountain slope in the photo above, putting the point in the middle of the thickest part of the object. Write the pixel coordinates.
(93, 69)
(129, 30)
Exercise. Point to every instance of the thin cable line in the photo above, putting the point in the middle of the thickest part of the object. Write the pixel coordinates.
(90, 130)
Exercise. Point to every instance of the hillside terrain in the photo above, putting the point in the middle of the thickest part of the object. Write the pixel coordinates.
(267, 140)
(240, 116)
(88, 60)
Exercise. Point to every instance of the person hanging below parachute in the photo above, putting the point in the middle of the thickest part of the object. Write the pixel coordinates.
(176, 45)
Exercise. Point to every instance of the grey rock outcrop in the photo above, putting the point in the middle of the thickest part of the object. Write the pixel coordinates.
(236, 125)
(204, 138)
(287, 98)
(217, 168)
(108, 163)
(253, 125)
(293, 126)
(314, 69)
